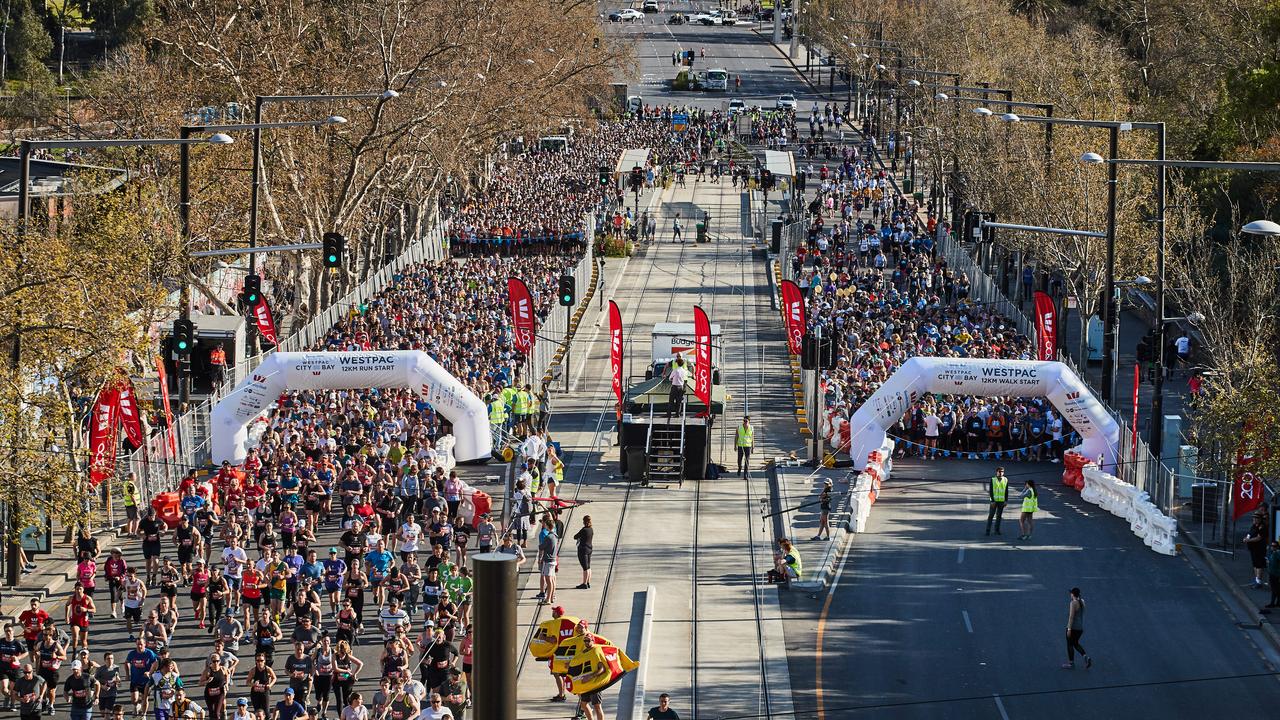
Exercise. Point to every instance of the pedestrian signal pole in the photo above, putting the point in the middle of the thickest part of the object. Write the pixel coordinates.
(495, 636)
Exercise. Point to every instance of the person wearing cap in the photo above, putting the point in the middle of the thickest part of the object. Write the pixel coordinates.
(81, 690)
(242, 711)
(289, 708)
(824, 517)
(1256, 542)
(746, 440)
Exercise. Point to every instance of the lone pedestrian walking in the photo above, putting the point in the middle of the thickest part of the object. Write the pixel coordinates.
(663, 709)
(746, 441)
(1256, 541)
(676, 227)
(997, 491)
(1075, 628)
(1030, 504)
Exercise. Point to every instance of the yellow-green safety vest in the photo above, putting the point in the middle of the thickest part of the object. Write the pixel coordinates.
(508, 395)
(797, 564)
(130, 494)
(999, 487)
(746, 436)
(497, 412)
(1030, 503)
(520, 403)
(558, 470)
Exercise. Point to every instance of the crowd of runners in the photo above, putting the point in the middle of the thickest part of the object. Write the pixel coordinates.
(874, 283)
(345, 527)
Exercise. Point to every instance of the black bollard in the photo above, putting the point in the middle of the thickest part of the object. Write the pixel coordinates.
(494, 650)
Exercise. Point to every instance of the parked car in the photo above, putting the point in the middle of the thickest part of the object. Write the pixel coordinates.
(785, 102)
(736, 106)
(625, 15)
(650, 6)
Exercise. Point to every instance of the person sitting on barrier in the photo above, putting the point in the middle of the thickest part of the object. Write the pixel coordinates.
(787, 565)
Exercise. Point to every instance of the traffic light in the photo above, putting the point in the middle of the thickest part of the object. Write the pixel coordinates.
(766, 179)
(637, 178)
(567, 294)
(604, 175)
(252, 291)
(333, 245)
(184, 336)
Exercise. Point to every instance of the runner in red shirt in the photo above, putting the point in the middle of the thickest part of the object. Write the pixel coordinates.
(251, 593)
(76, 614)
(253, 495)
(33, 621)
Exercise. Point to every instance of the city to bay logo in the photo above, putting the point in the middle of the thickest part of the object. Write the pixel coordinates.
(314, 364)
(957, 373)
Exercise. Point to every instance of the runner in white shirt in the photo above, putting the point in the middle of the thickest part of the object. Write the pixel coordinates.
(410, 535)
(391, 618)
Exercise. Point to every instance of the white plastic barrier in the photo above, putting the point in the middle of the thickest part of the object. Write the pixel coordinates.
(1123, 500)
(864, 489)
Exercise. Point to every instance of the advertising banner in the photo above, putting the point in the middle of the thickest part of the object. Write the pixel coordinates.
(794, 316)
(128, 411)
(702, 356)
(522, 322)
(265, 323)
(1046, 326)
(104, 437)
(615, 351)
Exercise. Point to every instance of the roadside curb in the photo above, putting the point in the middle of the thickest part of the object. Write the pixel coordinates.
(646, 632)
(1203, 558)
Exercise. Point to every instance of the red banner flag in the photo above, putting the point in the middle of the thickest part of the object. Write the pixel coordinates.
(1046, 326)
(168, 411)
(1247, 490)
(128, 410)
(263, 320)
(521, 314)
(702, 356)
(1137, 378)
(615, 351)
(794, 316)
(104, 438)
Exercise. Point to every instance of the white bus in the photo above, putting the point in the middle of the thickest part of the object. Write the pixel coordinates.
(716, 79)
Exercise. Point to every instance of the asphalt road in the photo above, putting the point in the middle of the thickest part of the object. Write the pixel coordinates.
(933, 619)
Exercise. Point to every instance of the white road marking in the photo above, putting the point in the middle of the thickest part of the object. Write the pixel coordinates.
(967, 624)
(1000, 706)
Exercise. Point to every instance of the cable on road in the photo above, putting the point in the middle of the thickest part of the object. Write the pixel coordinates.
(1026, 693)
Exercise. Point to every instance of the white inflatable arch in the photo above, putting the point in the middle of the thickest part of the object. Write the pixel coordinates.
(350, 371)
(958, 376)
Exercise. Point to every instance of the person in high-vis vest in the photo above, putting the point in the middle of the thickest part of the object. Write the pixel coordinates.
(998, 493)
(787, 565)
(1030, 504)
(557, 473)
(508, 397)
(746, 441)
(497, 412)
(520, 409)
(130, 493)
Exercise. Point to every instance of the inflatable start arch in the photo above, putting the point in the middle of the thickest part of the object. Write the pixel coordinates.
(960, 376)
(350, 371)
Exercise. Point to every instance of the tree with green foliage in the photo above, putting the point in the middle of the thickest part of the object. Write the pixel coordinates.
(118, 22)
(27, 44)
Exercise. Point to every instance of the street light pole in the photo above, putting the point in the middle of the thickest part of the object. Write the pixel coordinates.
(1110, 314)
(1155, 439)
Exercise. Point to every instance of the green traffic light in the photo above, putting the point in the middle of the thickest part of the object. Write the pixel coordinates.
(182, 345)
(333, 258)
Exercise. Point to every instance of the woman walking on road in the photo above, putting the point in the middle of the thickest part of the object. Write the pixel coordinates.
(1030, 504)
(584, 537)
(1075, 628)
